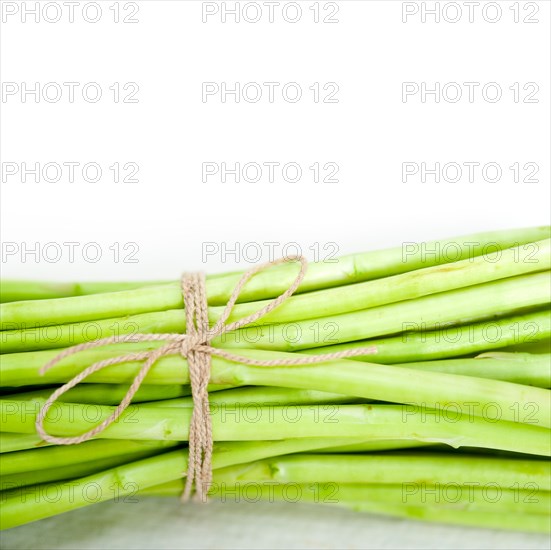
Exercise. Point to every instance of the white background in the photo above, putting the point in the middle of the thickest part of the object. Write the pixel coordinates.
(160, 224)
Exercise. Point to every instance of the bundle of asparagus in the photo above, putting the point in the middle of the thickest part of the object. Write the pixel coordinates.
(448, 421)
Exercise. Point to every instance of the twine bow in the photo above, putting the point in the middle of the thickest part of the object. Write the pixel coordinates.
(195, 347)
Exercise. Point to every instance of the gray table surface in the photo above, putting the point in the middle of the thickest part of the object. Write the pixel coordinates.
(156, 523)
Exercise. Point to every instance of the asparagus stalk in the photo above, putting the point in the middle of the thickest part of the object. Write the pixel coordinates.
(112, 394)
(158, 472)
(20, 369)
(452, 341)
(267, 284)
(449, 250)
(249, 397)
(129, 478)
(462, 305)
(394, 468)
(415, 388)
(78, 469)
(454, 307)
(327, 444)
(447, 408)
(536, 523)
(242, 424)
(58, 456)
(518, 368)
(385, 500)
(10, 442)
(536, 347)
(452, 495)
(15, 290)
(105, 394)
(61, 456)
(260, 396)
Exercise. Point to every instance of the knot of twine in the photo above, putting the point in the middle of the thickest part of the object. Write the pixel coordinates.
(195, 347)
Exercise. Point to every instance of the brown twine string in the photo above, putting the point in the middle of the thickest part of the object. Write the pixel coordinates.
(195, 347)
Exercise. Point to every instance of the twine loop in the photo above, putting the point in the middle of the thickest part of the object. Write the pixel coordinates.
(195, 347)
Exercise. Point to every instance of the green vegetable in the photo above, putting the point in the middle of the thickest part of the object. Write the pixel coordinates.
(453, 404)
